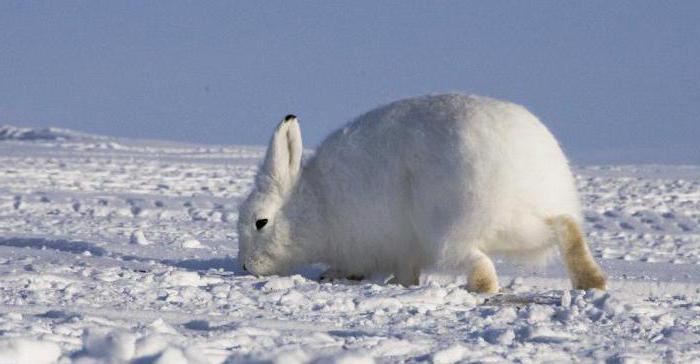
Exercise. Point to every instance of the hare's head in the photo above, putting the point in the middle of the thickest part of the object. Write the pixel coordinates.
(263, 230)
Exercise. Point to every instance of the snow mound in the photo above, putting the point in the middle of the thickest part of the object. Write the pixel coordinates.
(9, 132)
(19, 350)
(119, 346)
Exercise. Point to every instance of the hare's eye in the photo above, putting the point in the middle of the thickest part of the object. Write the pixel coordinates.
(259, 224)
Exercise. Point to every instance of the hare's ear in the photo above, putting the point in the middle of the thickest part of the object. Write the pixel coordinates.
(283, 159)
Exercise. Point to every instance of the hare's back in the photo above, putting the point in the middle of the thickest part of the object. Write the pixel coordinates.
(460, 146)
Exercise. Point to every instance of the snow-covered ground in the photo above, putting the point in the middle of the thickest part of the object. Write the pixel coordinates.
(118, 250)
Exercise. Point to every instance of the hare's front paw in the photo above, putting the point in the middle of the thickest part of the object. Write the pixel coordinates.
(332, 274)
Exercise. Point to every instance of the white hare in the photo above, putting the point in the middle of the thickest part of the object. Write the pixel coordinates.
(438, 182)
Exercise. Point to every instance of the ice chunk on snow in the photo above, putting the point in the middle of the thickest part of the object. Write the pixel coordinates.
(375, 304)
(115, 346)
(162, 327)
(138, 237)
(424, 295)
(191, 243)
(450, 355)
(150, 345)
(394, 347)
(545, 334)
(537, 313)
(565, 298)
(181, 278)
(435, 295)
(292, 298)
(281, 283)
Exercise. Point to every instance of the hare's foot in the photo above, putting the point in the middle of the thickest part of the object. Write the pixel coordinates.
(333, 274)
(482, 277)
(593, 278)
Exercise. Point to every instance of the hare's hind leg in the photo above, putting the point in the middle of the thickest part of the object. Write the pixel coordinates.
(482, 275)
(584, 272)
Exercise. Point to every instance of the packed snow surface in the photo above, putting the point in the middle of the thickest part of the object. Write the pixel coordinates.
(116, 251)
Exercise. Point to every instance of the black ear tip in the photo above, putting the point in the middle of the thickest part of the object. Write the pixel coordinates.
(259, 224)
(290, 117)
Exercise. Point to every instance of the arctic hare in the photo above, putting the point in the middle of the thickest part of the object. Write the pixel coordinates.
(437, 182)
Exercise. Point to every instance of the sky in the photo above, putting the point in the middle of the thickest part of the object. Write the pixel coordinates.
(616, 82)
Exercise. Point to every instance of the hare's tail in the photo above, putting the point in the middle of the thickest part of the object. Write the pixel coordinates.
(584, 272)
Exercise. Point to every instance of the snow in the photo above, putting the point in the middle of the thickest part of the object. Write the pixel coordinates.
(450, 355)
(128, 254)
(21, 351)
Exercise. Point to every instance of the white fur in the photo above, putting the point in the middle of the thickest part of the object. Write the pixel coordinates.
(430, 182)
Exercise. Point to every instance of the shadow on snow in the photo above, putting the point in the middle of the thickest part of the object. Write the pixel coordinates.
(227, 264)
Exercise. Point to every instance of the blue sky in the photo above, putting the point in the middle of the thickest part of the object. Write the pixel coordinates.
(615, 81)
